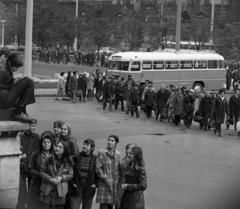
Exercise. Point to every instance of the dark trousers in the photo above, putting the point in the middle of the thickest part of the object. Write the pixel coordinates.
(218, 127)
(189, 117)
(119, 99)
(106, 99)
(105, 206)
(77, 201)
(228, 82)
(134, 108)
(21, 92)
(205, 116)
(177, 119)
(149, 110)
(23, 187)
(46, 206)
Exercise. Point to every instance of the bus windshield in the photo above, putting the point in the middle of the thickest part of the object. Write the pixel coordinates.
(118, 65)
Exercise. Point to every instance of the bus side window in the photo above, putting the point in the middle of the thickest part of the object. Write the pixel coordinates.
(220, 64)
(200, 64)
(212, 64)
(147, 65)
(158, 65)
(188, 64)
(135, 66)
(172, 65)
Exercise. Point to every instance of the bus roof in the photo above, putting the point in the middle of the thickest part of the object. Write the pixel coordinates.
(139, 56)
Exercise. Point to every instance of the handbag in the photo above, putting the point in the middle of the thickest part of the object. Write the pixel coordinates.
(230, 121)
(211, 123)
(183, 115)
(197, 118)
(79, 93)
(165, 113)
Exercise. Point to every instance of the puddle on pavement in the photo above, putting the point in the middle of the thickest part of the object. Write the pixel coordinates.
(167, 142)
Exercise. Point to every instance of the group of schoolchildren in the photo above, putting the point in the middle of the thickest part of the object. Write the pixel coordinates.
(55, 174)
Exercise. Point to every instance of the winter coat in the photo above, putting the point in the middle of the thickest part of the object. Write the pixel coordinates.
(134, 96)
(232, 102)
(73, 84)
(149, 98)
(90, 83)
(34, 166)
(119, 90)
(178, 104)
(188, 103)
(49, 170)
(107, 89)
(136, 180)
(161, 99)
(236, 76)
(29, 144)
(205, 105)
(221, 107)
(61, 85)
(100, 86)
(91, 179)
(170, 99)
(127, 93)
(108, 171)
(82, 83)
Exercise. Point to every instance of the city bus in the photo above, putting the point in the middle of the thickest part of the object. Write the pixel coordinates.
(192, 70)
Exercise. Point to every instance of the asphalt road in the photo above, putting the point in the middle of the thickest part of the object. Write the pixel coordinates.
(186, 168)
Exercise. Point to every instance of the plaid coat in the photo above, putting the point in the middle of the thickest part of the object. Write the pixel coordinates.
(108, 171)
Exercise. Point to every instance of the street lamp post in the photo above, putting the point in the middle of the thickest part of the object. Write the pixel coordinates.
(3, 21)
(75, 40)
(28, 40)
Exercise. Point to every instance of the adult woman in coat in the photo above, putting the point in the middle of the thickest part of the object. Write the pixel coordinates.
(135, 181)
(12, 93)
(46, 146)
(107, 169)
(178, 106)
(66, 131)
(221, 107)
(55, 172)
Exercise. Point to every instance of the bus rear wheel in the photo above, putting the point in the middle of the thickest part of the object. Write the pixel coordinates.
(197, 87)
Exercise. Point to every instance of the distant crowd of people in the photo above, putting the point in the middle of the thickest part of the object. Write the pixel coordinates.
(61, 56)
(55, 174)
(169, 103)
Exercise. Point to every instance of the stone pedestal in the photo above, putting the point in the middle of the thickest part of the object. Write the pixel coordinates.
(10, 162)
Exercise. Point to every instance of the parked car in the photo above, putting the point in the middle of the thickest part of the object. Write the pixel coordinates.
(36, 48)
(14, 47)
(106, 49)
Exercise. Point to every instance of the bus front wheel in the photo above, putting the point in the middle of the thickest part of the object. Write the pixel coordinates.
(197, 87)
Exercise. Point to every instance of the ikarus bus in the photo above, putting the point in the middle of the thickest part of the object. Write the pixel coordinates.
(193, 70)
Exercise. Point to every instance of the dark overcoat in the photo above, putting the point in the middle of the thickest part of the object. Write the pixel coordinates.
(136, 181)
(232, 102)
(161, 99)
(221, 107)
(82, 84)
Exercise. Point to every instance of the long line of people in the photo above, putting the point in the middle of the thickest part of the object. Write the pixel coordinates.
(60, 176)
(169, 103)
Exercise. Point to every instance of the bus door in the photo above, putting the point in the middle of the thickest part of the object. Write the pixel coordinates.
(185, 73)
